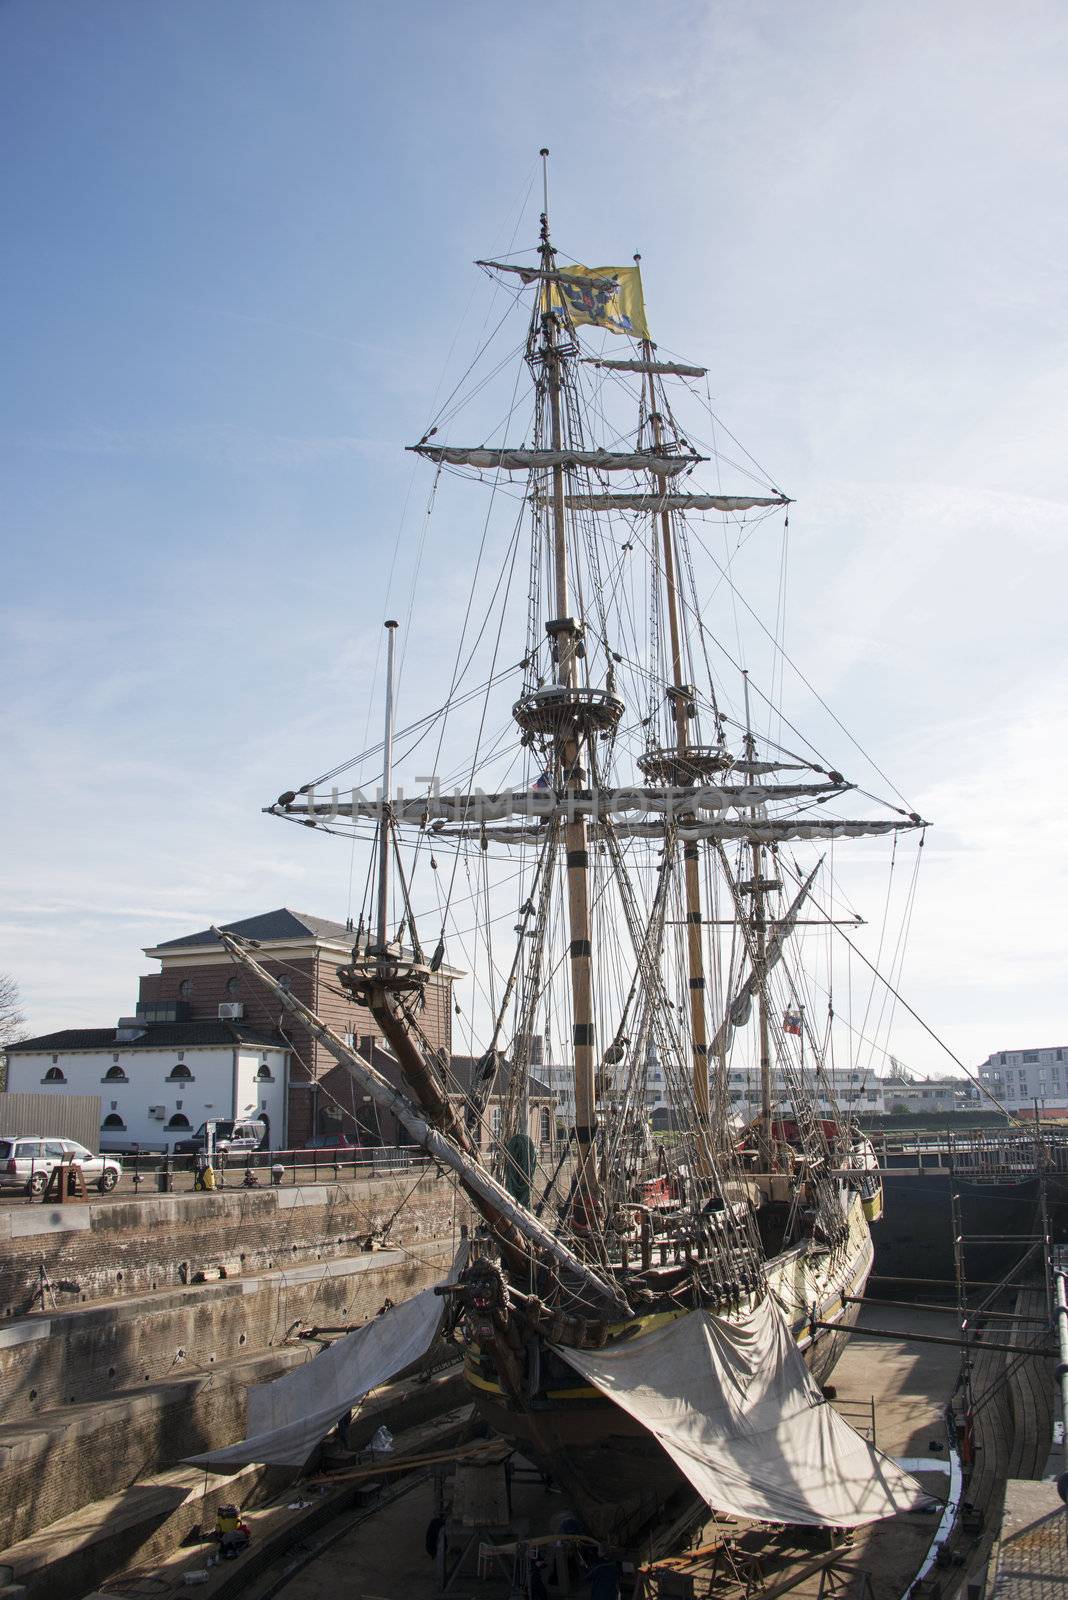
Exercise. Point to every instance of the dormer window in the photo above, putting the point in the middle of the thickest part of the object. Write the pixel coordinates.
(179, 1073)
(54, 1075)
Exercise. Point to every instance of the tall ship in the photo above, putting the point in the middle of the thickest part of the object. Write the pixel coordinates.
(637, 856)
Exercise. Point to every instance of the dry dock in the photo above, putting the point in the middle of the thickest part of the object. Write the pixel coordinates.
(378, 1551)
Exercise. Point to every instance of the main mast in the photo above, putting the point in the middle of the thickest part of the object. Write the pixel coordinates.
(563, 630)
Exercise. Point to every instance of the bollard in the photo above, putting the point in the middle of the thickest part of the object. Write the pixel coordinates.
(278, 1172)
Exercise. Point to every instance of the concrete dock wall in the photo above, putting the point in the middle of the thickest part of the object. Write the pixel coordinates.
(100, 1249)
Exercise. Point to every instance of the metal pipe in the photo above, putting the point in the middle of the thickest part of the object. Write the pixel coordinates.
(930, 1338)
(924, 1305)
(385, 815)
(1061, 1309)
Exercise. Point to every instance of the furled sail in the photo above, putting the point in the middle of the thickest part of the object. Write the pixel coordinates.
(522, 460)
(671, 502)
(742, 1004)
(766, 832)
(528, 275)
(478, 806)
(673, 369)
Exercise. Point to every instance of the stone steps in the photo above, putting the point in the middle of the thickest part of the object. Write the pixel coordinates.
(61, 1459)
(149, 1519)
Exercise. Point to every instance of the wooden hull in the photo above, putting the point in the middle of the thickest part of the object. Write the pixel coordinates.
(614, 1474)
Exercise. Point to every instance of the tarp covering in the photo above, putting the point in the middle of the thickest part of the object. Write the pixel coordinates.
(289, 1416)
(736, 1409)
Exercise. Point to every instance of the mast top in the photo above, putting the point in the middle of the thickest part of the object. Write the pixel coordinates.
(544, 153)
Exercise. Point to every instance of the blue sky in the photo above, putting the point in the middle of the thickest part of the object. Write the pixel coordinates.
(237, 277)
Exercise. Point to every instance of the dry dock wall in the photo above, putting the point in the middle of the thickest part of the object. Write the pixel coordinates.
(87, 1353)
(139, 1364)
(106, 1248)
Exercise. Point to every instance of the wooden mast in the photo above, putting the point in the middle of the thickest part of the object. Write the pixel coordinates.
(757, 888)
(695, 955)
(563, 631)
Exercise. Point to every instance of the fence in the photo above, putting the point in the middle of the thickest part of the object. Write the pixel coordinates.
(150, 1172)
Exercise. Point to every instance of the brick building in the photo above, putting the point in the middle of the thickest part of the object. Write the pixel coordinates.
(197, 975)
(208, 1042)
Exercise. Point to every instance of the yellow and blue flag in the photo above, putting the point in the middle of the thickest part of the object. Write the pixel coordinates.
(603, 297)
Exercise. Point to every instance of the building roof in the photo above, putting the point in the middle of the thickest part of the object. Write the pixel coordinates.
(463, 1073)
(155, 1036)
(268, 926)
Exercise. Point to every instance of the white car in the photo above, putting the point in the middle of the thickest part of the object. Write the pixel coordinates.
(25, 1163)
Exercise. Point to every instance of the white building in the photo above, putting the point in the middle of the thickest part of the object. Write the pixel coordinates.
(158, 1081)
(1020, 1077)
(856, 1092)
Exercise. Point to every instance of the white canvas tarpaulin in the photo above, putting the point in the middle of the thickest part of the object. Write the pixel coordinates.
(736, 1409)
(288, 1417)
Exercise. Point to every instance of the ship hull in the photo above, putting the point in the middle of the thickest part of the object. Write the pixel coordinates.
(615, 1475)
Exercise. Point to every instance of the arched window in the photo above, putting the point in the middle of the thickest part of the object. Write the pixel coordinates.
(179, 1120)
(233, 987)
(179, 1073)
(54, 1075)
(112, 1122)
(546, 1128)
(264, 1074)
(185, 989)
(116, 1075)
(285, 982)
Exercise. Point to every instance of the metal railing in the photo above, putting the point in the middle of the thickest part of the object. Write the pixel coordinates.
(150, 1171)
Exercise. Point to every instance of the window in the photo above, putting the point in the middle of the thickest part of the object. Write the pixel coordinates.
(111, 1121)
(546, 1131)
(1030, 1055)
(185, 989)
(28, 1149)
(179, 1120)
(116, 1075)
(264, 1074)
(285, 983)
(233, 987)
(54, 1075)
(180, 1073)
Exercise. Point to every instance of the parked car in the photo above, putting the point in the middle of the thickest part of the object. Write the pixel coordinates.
(25, 1163)
(232, 1137)
(330, 1141)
